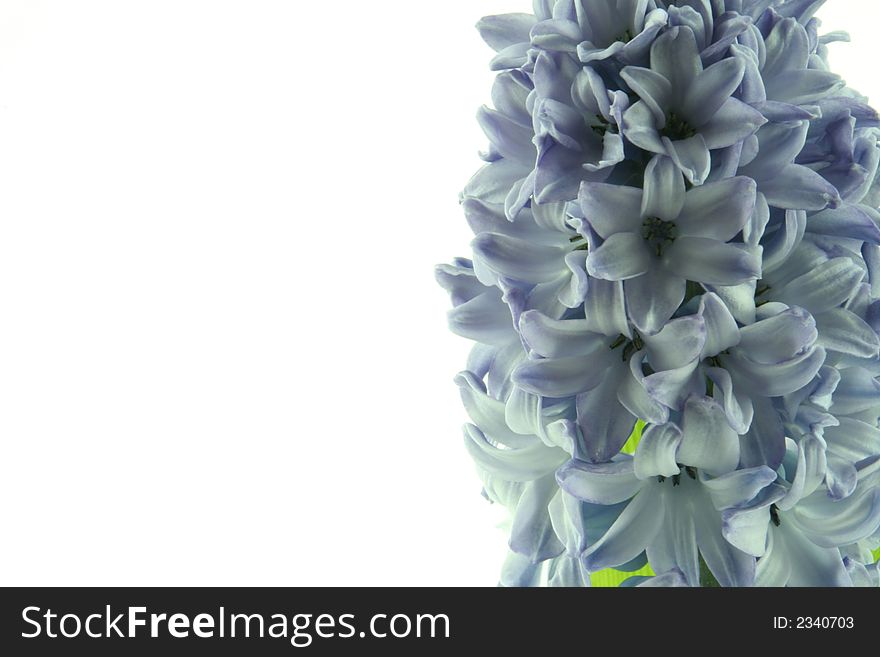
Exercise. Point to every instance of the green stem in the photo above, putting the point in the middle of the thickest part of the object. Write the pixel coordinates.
(707, 579)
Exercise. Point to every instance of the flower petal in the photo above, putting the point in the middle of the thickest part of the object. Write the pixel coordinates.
(845, 332)
(519, 260)
(731, 124)
(652, 88)
(825, 286)
(562, 377)
(675, 56)
(599, 483)
(691, 156)
(505, 30)
(722, 333)
(796, 187)
(708, 442)
(629, 535)
(664, 194)
(656, 453)
(711, 89)
(653, 299)
(531, 532)
(604, 422)
(488, 413)
(525, 464)
(554, 338)
(718, 210)
(712, 262)
(779, 338)
(611, 209)
(621, 257)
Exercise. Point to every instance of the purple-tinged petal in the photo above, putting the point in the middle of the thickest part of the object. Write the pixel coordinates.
(712, 262)
(722, 333)
(623, 256)
(604, 422)
(519, 260)
(796, 187)
(633, 395)
(732, 123)
(718, 210)
(653, 299)
(730, 566)
(604, 308)
(492, 183)
(599, 483)
(554, 338)
(736, 403)
(525, 464)
(675, 56)
(691, 156)
(779, 145)
(775, 380)
(857, 391)
(708, 442)
(628, 537)
(639, 126)
(512, 140)
(611, 209)
(680, 343)
(848, 220)
(483, 319)
(656, 454)
(826, 286)
(710, 90)
(505, 30)
(654, 90)
(531, 532)
(664, 192)
(557, 35)
(841, 477)
(804, 86)
(779, 338)
(563, 377)
(853, 440)
(740, 487)
(845, 332)
(488, 413)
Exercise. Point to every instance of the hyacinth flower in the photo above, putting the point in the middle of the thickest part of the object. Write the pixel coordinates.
(674, 295)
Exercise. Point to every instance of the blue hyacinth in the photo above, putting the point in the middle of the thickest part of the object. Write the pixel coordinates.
(676, 229)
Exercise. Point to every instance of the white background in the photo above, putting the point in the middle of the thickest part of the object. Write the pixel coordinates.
(223, 358)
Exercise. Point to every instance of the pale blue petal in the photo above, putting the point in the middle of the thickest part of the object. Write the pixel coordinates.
(611, 209)
(505, 30)
(604, 422)
(779, 338)
(843, 331)
(599, 483)
(708, 442)
(711, 89)
(722, 333)
(525, 464)
(712, 262)
(628, 537)
(652, 88)
(531, 533)
(488, 413)
(621, 257)
(554, 338)
(690, 155)
(657, 451)
(717, 210)
(825, 286)
(664, 194)
(653, 299)
(731, 124)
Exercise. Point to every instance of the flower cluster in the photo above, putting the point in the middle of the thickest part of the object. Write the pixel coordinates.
(676, 228)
